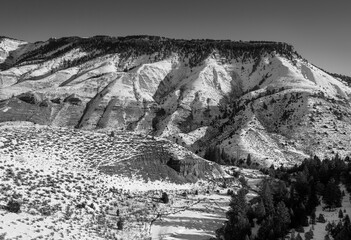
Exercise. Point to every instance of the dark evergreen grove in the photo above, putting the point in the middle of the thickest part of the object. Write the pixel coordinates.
(131, 46)
(287, 201)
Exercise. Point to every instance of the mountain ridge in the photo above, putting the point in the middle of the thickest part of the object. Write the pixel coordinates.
(112, 44)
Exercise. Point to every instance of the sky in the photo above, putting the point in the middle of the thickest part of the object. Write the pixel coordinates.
(319, 30)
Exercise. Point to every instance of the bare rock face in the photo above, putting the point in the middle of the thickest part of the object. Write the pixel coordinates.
(240, 98)
(193, 169)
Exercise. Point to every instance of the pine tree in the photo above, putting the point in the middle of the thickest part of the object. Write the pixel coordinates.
(312, 201)
(344, 234)
(264, 231)
(281, 220)
(260, 211)
(341, 215)
(238, 225)
(324, 173)
(243, 182)
(320, 188)
(347, 220)
(281, 192)
(336, 230)
(332, 195)
(298, 237)
(308, 235)
(328, 227)
(313, 218)
(293, 237)
(267, 197)
(248, 160)
(321, 218)
(302, 187)
(299, 216)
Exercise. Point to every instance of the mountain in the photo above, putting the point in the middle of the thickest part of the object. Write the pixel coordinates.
(220, 99)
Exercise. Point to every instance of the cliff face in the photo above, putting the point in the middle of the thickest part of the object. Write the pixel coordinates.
(257, 98)
(159, 160)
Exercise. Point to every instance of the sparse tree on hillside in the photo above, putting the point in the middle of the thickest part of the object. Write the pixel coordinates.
(164, 197)
(13, 206)
(248, 160)
(264, 106)
(243, 182)
(120, 224)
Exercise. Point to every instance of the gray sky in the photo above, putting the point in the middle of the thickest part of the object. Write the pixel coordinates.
(319, 30)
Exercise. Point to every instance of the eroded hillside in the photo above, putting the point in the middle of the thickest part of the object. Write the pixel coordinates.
(257, 98)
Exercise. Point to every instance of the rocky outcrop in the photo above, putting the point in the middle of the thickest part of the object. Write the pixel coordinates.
(158, 161)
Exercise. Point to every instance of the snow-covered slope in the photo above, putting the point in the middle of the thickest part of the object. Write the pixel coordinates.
(75, 184)
(257, 98)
